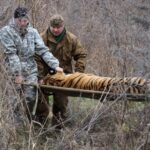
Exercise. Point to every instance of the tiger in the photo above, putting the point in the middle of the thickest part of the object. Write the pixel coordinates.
(131, 85)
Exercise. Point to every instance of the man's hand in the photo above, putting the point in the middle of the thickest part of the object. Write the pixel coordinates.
(19, 79)
(41, 81)
(58, 69)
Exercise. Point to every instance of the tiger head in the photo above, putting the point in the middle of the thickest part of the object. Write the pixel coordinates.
(55, 79)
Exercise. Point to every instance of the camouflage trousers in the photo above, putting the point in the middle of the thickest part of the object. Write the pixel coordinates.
(30, 92)
(27, 93)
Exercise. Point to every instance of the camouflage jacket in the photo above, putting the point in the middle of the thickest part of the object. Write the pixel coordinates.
(66, 51)
(19, 51)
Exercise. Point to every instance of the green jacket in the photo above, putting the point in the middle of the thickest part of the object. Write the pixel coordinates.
(69, 52)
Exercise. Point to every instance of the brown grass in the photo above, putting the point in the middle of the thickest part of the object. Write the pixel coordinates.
(115, 34)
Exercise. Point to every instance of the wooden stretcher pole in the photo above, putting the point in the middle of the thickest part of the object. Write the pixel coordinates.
(100, 95)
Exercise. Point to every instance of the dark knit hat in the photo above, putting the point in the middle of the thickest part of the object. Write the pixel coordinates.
(20, 12)
(56, 20)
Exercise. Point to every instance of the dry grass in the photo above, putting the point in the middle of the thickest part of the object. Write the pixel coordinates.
(91, 125)
(115, 34)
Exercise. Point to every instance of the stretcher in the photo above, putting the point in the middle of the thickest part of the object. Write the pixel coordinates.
(98, 95)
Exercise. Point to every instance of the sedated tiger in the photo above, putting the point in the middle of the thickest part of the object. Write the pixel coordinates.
(132, 85)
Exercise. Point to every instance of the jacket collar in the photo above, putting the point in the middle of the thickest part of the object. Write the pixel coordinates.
(50, 37)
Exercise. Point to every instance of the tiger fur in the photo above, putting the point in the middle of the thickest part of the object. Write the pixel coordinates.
(132, 85)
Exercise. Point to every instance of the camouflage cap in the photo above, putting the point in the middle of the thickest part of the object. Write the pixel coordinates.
(56, 20)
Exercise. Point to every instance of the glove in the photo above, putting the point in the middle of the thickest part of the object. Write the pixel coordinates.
(52, 71)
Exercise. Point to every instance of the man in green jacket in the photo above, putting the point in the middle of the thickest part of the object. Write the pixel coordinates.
(67, 48)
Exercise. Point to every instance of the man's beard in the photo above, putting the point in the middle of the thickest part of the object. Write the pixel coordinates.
(23, 31)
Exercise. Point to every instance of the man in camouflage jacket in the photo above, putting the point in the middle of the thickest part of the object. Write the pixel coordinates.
(21, 42)
(66, 47)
